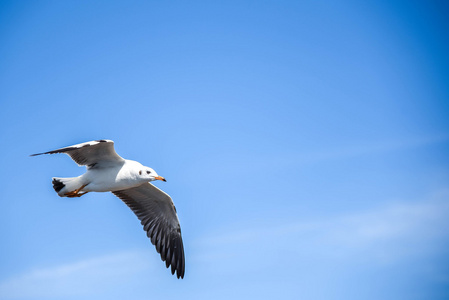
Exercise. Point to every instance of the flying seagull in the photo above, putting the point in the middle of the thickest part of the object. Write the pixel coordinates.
(130, 181)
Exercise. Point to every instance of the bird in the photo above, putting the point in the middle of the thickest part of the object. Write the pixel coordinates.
(130, 181)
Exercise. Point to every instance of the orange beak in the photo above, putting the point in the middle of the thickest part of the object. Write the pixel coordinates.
(160, 178)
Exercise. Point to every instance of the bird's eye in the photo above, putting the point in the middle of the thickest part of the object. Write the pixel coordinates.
(140, 172)
(148, 172)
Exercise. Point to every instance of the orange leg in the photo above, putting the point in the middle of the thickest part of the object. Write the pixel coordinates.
(76, 193)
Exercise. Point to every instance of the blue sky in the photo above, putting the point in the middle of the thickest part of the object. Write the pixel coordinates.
(304, 144)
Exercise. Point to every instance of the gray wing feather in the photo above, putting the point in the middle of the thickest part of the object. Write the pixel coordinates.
(90, 153)
(157, 213)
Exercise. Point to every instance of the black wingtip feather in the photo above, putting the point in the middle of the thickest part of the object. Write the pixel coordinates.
(173, 267)
(158, 243)
(167, 258)
(154, 232)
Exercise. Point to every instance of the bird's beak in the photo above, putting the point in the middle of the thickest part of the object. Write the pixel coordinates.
(160, 178)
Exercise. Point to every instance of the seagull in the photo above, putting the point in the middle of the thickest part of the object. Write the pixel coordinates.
(129, 181)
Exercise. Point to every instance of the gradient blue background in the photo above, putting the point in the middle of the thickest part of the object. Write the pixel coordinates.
(305, 144)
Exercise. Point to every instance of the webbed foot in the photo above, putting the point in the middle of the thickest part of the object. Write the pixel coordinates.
(76, 193)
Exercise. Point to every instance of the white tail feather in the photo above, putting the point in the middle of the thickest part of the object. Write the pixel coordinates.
(63, 186)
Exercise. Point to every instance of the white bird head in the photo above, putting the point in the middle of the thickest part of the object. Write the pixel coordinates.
(150, 175)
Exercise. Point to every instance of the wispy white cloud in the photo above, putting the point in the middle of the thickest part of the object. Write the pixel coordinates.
(385, 234)
(75, 278)
(365, 148)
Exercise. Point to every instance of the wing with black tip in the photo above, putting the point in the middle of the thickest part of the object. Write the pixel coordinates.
(90, 153)
(157, 213)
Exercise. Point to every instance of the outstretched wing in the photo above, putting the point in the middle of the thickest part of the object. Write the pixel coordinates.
(90, 153)
(157, 213)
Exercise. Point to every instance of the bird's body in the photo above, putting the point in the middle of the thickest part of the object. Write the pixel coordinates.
(116, 177)
(107, 177)
(128, 180)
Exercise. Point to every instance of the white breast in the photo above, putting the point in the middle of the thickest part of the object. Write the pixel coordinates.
(113, 178)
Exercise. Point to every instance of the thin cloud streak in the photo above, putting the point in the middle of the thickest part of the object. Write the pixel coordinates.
(386, 234)
(368, 148)
(76, 278)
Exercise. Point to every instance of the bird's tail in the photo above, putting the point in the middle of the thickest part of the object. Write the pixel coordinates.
(63, 186)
